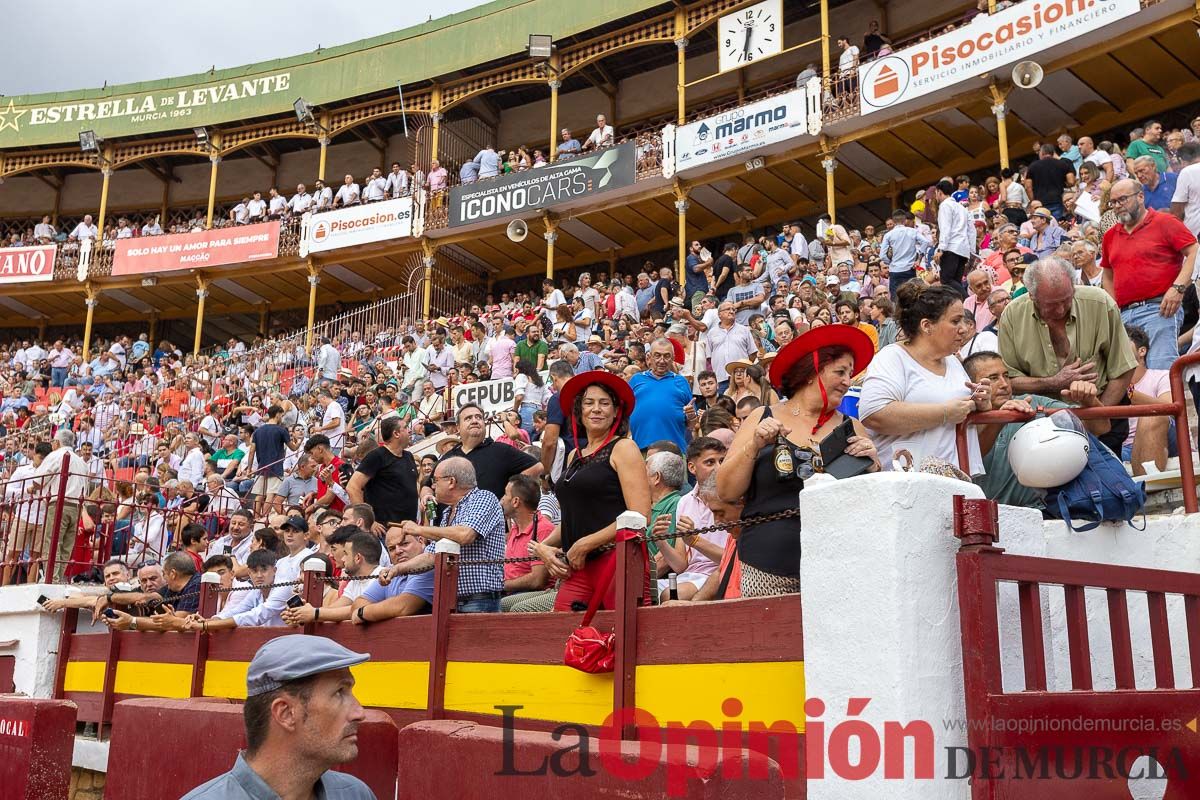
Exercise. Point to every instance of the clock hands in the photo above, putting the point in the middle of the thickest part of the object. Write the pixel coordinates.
(749, 33)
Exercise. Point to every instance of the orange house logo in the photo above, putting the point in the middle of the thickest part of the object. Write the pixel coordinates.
(886, 83)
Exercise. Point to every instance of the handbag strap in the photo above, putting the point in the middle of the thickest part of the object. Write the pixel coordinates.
(725, 577)
(610, 574)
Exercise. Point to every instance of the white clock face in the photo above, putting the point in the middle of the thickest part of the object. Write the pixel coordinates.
(751, 34)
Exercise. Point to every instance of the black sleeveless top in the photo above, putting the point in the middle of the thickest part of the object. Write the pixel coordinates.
(772, 547)
(589, 495)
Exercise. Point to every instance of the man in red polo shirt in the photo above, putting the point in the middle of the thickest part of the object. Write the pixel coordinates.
(1148, 261)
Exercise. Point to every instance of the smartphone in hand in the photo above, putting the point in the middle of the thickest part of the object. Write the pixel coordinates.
(108, 612)
(295, 601)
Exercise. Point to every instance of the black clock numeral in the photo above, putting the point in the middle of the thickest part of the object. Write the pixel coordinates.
(728, 42)
(749, 56)
(772, 28)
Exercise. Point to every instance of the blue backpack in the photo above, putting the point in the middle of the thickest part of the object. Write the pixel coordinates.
(1103, 492)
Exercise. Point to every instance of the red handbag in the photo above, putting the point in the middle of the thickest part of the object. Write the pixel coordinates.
(589, 650)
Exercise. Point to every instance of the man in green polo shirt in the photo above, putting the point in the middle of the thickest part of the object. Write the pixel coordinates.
(665, 472)
(533, 347)
(1149, 145)
(999, 483)
(228, 457)
(1060, 333)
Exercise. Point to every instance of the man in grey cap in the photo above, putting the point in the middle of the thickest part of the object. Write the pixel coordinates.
(301, 720)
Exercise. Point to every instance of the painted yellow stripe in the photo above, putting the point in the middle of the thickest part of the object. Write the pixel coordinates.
(769, 691)
(546, 691)
(225, 679)
(150, 679)
(84, 676)
(383, 684)
(392, 684)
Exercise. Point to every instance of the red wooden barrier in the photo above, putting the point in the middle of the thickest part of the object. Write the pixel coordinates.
(1083, 742)
(36, 740)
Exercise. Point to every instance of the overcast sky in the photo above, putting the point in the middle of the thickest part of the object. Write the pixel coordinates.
(166, 39)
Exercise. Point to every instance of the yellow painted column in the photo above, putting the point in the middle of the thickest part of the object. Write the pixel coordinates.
(107, 172)
(324, 140)
(829, 163)
(435, 112)
(1000, 110)
(212, 189)
(826, 77)
(428, 248)
(551, 236)
(91, 302)
(201, 294)
(681, 209)
(314, 278)
(681, 44)
(555, 85)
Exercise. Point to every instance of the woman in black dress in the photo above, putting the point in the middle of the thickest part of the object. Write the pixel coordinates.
(779, 445)
(605, 475)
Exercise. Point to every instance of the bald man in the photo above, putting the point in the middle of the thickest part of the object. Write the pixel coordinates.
(979, 288)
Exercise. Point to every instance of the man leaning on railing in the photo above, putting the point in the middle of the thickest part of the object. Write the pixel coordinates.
(49, 479)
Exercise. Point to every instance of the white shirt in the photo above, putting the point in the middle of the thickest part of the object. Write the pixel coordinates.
(848, 60)
(1187, 190)
(256, 208)
(151, 229)
(800, 246)
(601, 137)
(52, 468)
(44, 230)
(337, 436)
(724, 346)
(83, 231)
(147, 538)
(125, 233)
(192, 468)
(626, 304)
(241, 550)
(348, 194)
(323, 199)
(278, 205)
(301, 202)
(551, 304)
(355, 588)
(956, 230)
(397, 183)
(241, 213)
(377, 188)
(894, 375)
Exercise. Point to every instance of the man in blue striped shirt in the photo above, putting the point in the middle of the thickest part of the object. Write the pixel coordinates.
(901, 248)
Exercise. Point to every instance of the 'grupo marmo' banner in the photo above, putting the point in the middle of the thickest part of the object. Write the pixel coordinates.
(214, 248)
(544, 187)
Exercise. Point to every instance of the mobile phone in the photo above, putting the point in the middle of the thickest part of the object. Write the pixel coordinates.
(108, 612)
(42, 600)
(228, 549)
(673, 586)
(295, 601)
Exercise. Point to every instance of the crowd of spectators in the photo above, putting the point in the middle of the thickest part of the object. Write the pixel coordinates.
(695, 396)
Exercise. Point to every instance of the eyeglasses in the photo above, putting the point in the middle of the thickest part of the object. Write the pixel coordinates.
(1118, 201)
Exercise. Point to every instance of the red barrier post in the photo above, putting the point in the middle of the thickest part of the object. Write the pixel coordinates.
(313, 588)
(631, 579)
(70, 620)
(207, 606)
(52, 556)
(445, 601)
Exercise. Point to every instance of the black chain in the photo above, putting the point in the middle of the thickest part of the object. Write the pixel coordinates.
(759, 519)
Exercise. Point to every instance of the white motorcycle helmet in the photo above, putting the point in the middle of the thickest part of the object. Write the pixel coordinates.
(1049, 451)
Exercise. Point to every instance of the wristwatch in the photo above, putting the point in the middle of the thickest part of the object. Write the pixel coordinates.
(361, 617)
(1179, 287)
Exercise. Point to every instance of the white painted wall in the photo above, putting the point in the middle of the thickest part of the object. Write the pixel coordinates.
(36, 633)
(881, 616)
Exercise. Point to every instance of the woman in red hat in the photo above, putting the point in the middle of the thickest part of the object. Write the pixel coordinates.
(604, 476)
(779, 445)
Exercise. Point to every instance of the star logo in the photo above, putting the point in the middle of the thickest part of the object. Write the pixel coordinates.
(5, 122)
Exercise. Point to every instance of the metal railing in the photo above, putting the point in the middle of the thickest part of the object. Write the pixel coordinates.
(1177, 408)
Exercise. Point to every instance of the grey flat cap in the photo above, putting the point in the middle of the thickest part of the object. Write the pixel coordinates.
(295, 656)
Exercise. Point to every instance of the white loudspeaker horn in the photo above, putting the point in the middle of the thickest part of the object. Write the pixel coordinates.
(1027, 74)
(517, 230)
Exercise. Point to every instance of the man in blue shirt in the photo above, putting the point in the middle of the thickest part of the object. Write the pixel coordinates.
(403, 596)
(695, 280)
(901, 248)
(569, 147)
(664, 399)
(1158, 187)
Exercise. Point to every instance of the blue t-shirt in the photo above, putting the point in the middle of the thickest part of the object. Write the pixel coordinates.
(658, 412)
(693, 281)
(1159, 198)
(555, 416)
(419, 584)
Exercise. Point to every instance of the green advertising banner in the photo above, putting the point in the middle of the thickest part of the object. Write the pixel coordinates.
(456, 42)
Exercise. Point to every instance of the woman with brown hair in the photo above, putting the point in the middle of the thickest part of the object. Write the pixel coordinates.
(779, 446)
(604, 476)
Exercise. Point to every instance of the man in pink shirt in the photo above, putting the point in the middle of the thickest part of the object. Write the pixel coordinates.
(695, 557)
(1150, 438)
(501, 354)
(438, 178)
(979, 288)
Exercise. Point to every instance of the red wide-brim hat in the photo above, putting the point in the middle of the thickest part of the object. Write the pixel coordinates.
(580, 382)
(861, 346)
